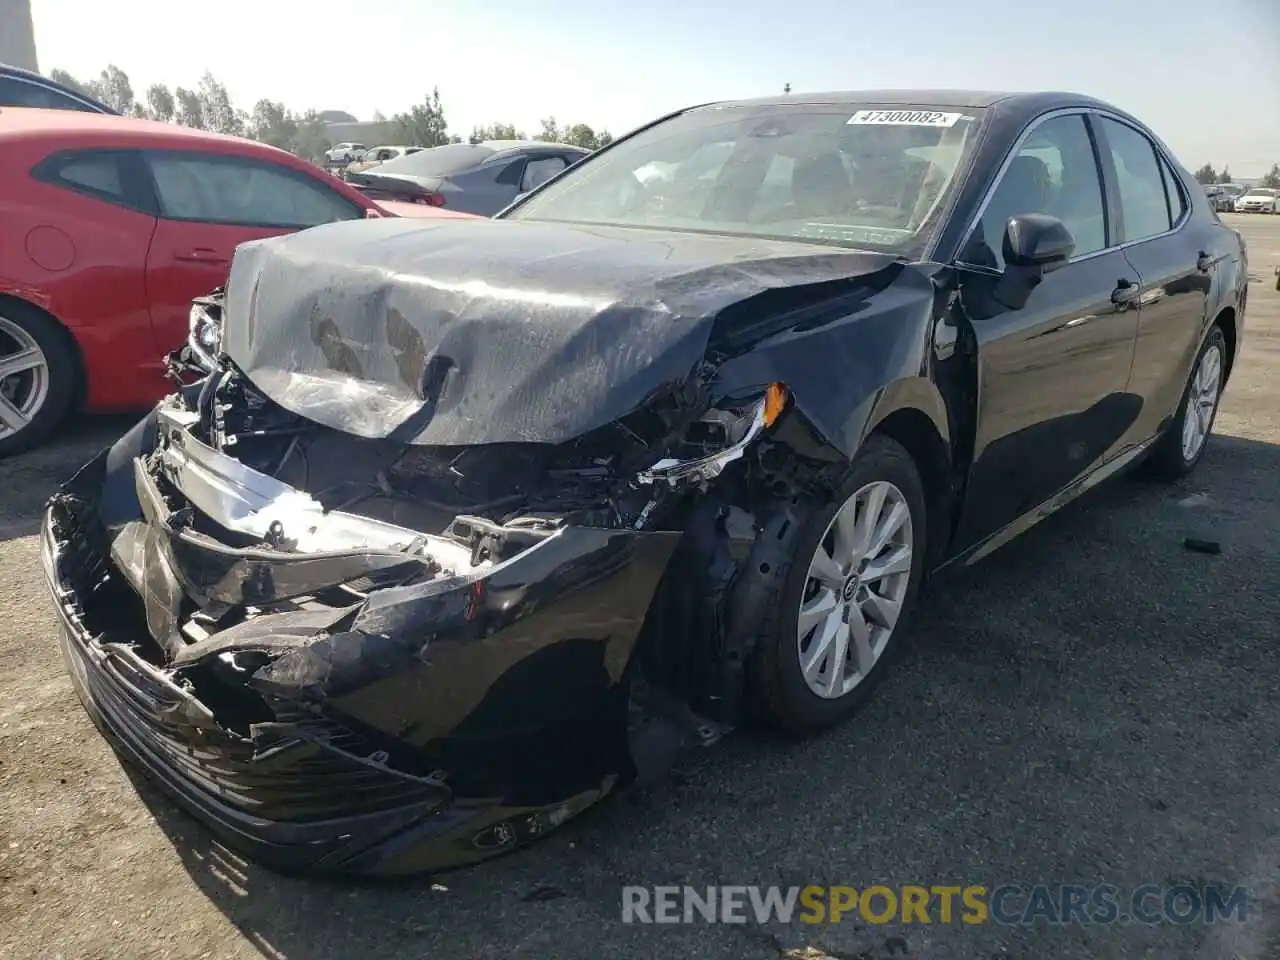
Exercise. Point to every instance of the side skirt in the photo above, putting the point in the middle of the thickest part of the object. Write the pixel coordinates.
(1022, 524)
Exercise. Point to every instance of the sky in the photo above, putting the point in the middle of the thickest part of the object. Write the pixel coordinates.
(1204, 75)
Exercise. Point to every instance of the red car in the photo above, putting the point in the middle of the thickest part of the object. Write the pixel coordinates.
(111, 226)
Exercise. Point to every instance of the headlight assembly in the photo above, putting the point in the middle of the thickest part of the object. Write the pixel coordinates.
(724, 435)
(204, 334)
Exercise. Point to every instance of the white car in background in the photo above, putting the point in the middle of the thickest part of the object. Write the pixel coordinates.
(1258, 200)
(376, 155)
(345, 152)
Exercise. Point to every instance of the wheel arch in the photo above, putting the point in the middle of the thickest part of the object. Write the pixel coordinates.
(1228, 320)
(918, 422)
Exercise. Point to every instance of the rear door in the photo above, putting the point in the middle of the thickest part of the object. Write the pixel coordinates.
(209, 204)
(1052, 375)
(1175, 258)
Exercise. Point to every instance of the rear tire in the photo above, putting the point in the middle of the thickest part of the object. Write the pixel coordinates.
(33, 400)
(834, 581)
(1183, 444)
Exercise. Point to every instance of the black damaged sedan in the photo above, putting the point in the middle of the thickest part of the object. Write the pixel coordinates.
(449, 528)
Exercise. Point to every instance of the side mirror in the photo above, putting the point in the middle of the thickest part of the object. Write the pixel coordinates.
(1034, 244)
(1037, 240)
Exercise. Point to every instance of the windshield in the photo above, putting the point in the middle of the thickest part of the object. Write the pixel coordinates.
(851, 174)
(1261, 192)
(439, 161)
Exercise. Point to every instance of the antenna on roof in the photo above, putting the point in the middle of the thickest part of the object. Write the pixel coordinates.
(787, 88)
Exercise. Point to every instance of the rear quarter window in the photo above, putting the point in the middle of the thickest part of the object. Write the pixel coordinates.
(107, 175)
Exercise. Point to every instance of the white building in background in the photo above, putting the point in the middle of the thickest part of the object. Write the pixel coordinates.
(17, 36)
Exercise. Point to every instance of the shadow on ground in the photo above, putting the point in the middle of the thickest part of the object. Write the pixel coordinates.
(29, 479)
(1057, 716)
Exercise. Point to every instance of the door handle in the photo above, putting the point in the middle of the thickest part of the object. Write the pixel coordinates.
(202, 255)
(1204, 262)
(1125, 293)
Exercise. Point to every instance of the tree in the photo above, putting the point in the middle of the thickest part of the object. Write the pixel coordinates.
(310, 138)
(63, 77)
(578, 134)
(496, 131)
(1207, 174)
(190, 111)
(1272, 179)
(160, 102)
(115, 90)
(273, 123)
(424, 125)
(215, 103)
(67, 80)
(550, 132)
(1225, 175)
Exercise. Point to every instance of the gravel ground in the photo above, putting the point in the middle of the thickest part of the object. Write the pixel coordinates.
(1093, 704)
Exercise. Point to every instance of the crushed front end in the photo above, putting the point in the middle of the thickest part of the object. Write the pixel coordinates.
(367, 678)
(358, 655)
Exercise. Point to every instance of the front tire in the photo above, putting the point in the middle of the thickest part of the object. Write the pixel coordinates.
(847, 596)
(1183, 444)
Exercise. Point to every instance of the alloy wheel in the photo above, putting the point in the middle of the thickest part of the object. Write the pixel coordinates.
(856, 585)
(24, 378)
(1202, 402)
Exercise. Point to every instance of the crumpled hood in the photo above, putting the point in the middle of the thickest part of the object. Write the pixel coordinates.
(492, 331)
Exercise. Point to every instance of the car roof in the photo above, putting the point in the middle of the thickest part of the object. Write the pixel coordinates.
(529, 145)
(1011, 104)
(96, 129)
(9, 70)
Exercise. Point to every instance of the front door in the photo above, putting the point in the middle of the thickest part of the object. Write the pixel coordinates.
(1052, 375)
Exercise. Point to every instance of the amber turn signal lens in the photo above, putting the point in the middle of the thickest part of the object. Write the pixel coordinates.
(775, 401)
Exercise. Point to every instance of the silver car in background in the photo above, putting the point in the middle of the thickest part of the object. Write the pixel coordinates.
(477, 178)
(1228, 194)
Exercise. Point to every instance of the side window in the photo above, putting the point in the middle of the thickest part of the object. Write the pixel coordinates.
(1173, 193)
(510, 174)
(20, 93)
(539, 170)
(1142, 189)
(243, 192)
(98, 174)
(1054, 171)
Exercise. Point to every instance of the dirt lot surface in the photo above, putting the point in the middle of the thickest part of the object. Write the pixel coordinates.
(1094, 704)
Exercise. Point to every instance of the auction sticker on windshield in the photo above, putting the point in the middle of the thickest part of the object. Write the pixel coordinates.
(907, 118)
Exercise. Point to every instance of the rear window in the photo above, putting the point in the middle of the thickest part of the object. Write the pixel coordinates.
(440, 161)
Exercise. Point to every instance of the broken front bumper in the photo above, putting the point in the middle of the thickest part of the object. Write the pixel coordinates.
(418, 729)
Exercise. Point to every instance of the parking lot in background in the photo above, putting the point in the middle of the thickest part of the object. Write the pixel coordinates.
(1094, 704)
